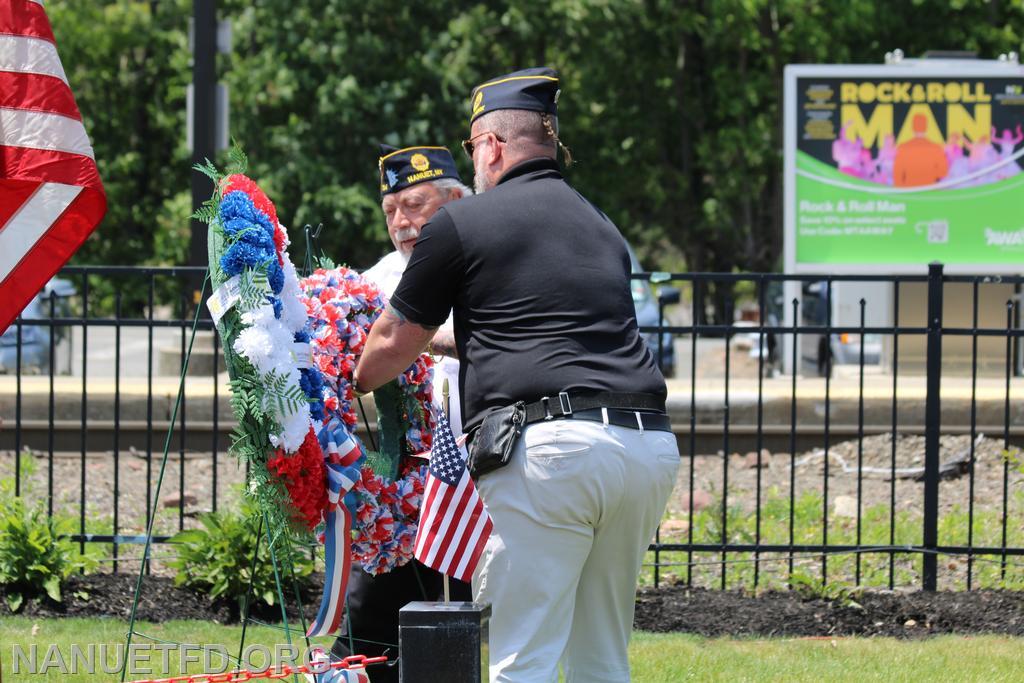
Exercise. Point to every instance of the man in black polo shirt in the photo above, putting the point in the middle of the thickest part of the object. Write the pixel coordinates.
(414, 182)
(538, 279)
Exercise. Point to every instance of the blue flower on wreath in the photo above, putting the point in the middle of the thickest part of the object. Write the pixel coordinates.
(242, 255)
(238, 205)
(251, 236)
(238, 229)
(277, 304)
(312, 383)
(275, 275)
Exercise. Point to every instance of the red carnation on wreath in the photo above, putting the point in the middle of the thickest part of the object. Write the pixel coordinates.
(304, 476)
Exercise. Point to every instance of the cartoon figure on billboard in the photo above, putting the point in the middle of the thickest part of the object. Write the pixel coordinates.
(981, 157)
(885, 162)
(1007, 143)
(958, 163)
(848, 155)
(919, 161)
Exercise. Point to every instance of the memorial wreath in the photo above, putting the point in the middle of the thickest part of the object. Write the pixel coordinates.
(290, 347)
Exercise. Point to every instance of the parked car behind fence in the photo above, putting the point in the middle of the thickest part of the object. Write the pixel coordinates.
(650, 308)
(820, 352)
(35, 337)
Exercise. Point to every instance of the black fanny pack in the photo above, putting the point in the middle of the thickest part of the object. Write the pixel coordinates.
(493, 441)
(491, 444)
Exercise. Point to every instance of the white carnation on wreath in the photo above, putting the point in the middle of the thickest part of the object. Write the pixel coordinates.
(293, 313)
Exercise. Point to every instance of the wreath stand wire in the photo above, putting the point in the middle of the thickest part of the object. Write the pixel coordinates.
(311, 237)
(263, 525)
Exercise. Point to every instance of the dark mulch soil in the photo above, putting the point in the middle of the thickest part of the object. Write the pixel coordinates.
(670, 608)
(110, 595)
(903, 615)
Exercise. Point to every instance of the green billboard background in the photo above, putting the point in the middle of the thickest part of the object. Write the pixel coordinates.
(840, 219)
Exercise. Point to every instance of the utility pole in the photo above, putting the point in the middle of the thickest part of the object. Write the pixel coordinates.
(204, 120)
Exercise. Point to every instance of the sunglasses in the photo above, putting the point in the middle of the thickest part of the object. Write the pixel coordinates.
(468, 145)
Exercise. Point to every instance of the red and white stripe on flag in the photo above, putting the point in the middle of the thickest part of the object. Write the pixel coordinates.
(51, 197)
(454, 524)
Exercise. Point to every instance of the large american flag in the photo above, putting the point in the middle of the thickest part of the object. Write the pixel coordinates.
(454, 524)
(51, 197)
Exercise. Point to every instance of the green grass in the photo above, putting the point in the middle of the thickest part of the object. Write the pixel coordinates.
(741, 527)
(656, 658)
(668, 658)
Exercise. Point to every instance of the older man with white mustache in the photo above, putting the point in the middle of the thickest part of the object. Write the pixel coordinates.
(414, 183)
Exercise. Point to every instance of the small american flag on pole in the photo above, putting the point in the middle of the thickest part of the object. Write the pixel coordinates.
(51, 197)
(454, 524)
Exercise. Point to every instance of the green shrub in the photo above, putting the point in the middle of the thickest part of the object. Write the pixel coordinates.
(35, 555)
(812, 587)
(217, 559)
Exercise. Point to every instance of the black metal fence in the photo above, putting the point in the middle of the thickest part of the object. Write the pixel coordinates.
(800, 379)
(709, 540)
(71, 389)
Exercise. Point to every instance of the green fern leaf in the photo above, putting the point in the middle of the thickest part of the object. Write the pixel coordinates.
(238, 162)
(208, 170)
(205, 214)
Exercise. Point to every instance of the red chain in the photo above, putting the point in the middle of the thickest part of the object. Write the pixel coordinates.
(353, 662)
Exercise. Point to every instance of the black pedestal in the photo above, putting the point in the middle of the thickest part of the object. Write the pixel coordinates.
(443, 642)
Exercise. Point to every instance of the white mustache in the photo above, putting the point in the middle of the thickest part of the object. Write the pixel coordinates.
(407, 234)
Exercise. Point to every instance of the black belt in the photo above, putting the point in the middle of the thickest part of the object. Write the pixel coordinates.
(657, 422)
(566, 404)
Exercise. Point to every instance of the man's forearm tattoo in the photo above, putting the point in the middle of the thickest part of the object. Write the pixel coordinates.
(400, 318)
(396, 314)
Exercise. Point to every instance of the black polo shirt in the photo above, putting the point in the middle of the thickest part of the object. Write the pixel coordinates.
(539, 282)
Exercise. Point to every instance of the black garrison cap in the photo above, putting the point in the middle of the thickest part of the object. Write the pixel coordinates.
(400, 168)
(533, 89)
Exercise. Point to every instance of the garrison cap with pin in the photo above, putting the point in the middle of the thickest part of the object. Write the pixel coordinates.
(400, 168)
(533, 89)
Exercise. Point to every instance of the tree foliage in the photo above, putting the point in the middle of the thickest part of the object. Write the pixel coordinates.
(672, 109)
(128, 66)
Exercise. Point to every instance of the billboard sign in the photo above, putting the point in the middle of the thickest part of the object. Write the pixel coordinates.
(890, 167)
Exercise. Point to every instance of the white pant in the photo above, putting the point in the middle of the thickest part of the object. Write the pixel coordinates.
(448, 369)
(574, 512)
